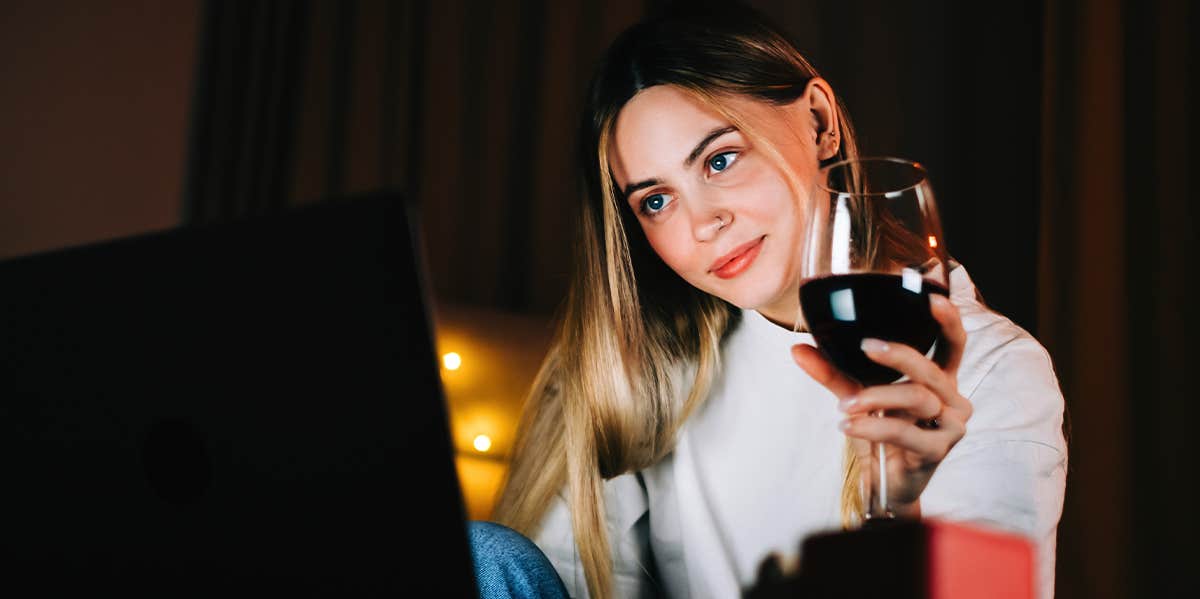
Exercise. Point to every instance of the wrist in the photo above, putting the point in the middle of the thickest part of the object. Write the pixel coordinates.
(908, 511)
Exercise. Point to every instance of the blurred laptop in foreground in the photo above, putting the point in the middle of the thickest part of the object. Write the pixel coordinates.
(246, 407)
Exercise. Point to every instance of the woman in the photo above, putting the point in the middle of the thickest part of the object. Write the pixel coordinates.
(679, 431)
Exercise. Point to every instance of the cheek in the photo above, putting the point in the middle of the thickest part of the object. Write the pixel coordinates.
(673, 244)
(773, 204)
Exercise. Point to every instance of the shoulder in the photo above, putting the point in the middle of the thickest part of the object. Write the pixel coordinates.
(1009, 469)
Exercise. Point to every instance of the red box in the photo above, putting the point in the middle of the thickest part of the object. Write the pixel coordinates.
(968, 561)
(929, 559)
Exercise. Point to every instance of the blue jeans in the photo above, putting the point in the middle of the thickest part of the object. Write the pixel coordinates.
(510, 566)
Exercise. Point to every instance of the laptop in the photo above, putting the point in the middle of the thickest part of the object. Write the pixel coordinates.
(250, 407)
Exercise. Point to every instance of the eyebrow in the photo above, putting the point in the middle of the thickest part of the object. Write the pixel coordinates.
(687, 162)
(632, 187)
(699, 149)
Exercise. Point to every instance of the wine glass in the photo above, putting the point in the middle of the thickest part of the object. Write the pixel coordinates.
(873, 254)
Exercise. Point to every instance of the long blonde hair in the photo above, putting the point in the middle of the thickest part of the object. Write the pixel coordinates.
(613, 390)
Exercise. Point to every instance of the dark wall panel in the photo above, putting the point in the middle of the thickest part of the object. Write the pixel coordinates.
(94, 112)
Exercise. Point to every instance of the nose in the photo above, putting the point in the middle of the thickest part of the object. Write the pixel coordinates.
(709, 223)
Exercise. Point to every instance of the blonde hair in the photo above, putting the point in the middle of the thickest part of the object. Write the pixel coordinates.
(613, 392)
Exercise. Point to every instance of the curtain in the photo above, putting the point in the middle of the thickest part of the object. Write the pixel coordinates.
(500, 105)
(1117, 269)
(242, 129)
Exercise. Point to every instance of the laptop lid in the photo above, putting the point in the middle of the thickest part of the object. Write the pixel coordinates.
(252, 406)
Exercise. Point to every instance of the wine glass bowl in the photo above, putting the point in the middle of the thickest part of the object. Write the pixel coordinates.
(873, 254)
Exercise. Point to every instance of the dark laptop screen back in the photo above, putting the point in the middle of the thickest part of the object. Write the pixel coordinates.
(245, 407)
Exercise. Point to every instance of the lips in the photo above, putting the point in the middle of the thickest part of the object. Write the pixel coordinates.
(732, 264)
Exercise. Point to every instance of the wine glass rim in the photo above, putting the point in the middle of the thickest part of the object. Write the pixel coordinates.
(916, 166)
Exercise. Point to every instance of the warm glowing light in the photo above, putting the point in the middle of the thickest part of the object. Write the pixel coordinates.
(483, 443)
(932, 241)
(451, 361)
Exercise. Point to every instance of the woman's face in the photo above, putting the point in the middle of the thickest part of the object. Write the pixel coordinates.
(714, 206)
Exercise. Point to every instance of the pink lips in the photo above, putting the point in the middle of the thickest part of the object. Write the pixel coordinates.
(732, 264)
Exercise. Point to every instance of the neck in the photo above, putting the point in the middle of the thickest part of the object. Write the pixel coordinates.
(785, 314)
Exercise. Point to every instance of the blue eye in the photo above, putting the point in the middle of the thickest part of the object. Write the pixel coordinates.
(653, 204)
(722, 161)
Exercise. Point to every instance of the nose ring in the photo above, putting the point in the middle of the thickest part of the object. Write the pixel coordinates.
(722, 221)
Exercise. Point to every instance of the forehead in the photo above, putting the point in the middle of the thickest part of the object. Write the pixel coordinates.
(656, 130)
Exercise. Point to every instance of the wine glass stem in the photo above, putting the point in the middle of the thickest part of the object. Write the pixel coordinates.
(880, 451)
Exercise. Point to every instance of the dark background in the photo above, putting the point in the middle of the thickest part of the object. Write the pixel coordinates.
(1058, 136)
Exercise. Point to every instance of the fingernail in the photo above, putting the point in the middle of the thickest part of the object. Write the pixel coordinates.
(873, 345)
(845, 404)
(843, 425)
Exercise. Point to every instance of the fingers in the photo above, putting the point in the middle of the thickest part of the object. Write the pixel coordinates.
(823, 371)
(930, 446)
(920, 370)
(915, 400)
(955, 336)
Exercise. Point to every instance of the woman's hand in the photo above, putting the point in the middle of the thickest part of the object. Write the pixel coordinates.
(923, 417)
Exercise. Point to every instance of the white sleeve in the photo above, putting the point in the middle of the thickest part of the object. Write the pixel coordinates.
(628, 531)
(1009, 471)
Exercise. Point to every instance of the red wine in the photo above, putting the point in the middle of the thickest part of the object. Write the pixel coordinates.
(843, 309)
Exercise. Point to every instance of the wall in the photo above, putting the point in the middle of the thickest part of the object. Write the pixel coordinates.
(93, 112)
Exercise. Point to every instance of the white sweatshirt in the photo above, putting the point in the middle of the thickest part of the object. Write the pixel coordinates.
(759, 466)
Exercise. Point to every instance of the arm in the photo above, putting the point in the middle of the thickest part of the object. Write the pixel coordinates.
(999, 458)
(1009, 471)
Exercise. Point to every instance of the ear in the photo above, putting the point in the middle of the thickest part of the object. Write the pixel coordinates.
(821, 118)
